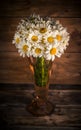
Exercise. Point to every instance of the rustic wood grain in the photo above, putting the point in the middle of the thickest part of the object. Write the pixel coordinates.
(15, 69)
(13, 103)
(56, 8)
(60, 98)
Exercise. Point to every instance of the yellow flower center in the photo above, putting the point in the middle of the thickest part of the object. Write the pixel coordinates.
(53, 51)
(17, 40)
(50, 39)
(43, 30)
(59, 38)
(37, 50)
(34, 38)
(25, 48)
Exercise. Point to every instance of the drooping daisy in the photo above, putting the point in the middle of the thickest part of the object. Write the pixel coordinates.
(24, 49)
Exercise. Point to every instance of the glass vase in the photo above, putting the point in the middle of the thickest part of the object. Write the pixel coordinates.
(40, 105)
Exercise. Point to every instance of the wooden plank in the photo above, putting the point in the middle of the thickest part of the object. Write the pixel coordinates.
(8, 27)
(44, 121)
(54, 8)
(15, 69)
(67, 112)
(65, 99)
(20, 127)
(14, 101)
(55, 87)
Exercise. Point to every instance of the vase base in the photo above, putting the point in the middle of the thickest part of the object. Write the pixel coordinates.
(39, 108)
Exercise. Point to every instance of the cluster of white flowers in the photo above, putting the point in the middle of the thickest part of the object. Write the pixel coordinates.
(41, 37)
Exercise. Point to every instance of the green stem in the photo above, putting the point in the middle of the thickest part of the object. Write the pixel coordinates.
(41, 72)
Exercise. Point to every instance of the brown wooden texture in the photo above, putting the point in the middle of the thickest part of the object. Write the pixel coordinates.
(15, 69)
(55, 8)
(65, 70)
(15, 98)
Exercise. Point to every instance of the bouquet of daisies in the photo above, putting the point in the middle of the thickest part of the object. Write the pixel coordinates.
(41, 37)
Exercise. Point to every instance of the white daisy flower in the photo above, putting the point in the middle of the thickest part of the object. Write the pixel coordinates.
(44, 28)
(17, 39)
(37, 51)
(49, 38)
(24, 49)
(39, 36)
(58, 37)
(34, 37)
(51, 52)
(65, 35)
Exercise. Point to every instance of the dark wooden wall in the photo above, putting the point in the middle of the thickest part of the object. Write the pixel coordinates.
(15, 69)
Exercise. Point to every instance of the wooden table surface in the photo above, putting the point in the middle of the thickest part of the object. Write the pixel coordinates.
(14, 99)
